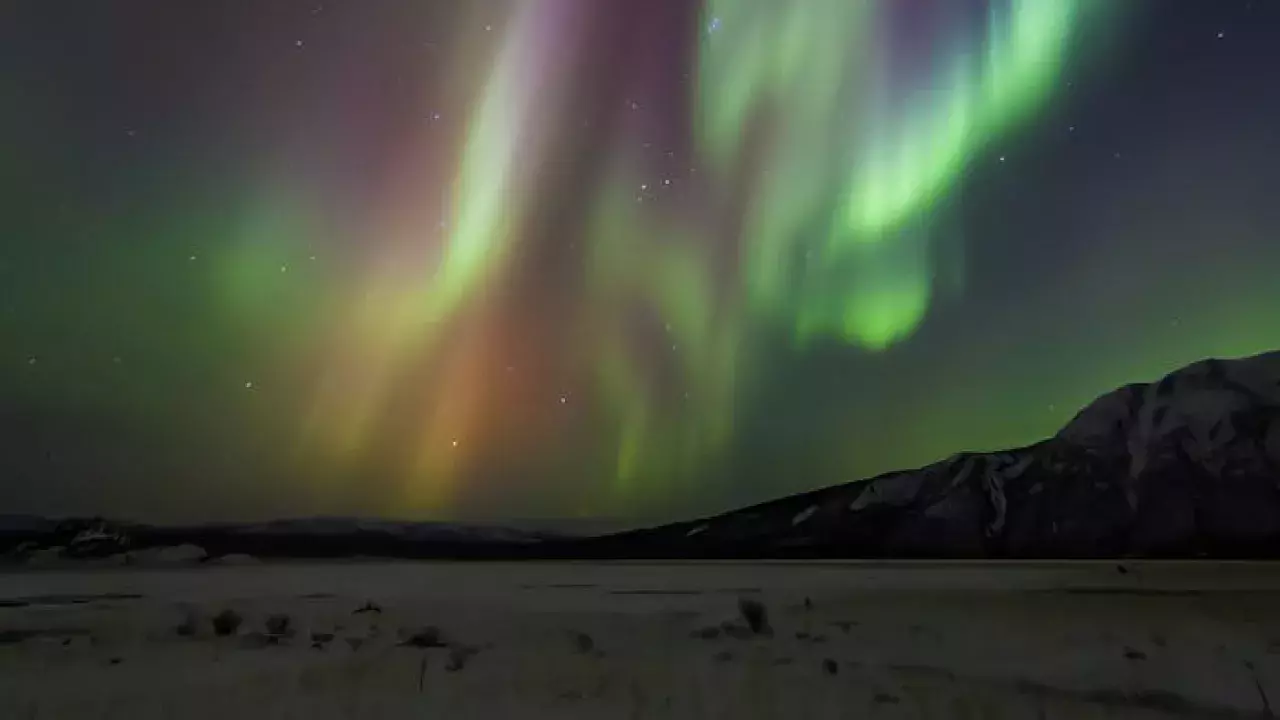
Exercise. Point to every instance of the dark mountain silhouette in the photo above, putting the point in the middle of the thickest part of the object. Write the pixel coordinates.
(1188, 466)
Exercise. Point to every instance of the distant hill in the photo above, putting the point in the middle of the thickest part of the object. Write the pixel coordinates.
(303, 538)
(25, 524)
(1188, 466)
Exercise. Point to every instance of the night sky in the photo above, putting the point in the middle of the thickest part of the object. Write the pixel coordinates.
(619, 259)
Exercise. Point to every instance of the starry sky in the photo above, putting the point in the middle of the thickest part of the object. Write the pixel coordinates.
(609, 260)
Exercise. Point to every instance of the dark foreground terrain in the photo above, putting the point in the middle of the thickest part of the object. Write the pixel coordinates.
(642, 640)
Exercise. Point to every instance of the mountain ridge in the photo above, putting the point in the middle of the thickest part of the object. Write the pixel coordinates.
(1185, 466)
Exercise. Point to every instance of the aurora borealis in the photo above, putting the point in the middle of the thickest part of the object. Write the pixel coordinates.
(606, 258)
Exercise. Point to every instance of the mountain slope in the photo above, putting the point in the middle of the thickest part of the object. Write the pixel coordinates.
(1186, 466)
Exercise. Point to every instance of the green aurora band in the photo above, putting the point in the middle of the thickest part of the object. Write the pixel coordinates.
(842, 145)
(814, 81)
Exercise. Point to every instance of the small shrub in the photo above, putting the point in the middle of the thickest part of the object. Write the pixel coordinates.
(583, 643)
(428, 636)
(458, 657)
(278, 625)
(226, 623)
(756, 615)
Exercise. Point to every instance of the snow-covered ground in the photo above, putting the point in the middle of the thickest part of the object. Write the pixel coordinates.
(636, 640)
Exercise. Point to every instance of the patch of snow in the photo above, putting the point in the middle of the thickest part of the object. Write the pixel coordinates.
(897, 490)
(1020, 466)
(804, 515)
(965, 471)
(235, 559)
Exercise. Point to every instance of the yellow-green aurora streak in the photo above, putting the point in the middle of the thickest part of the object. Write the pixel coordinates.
(852, 136)
(827, 147)
(800, 97)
